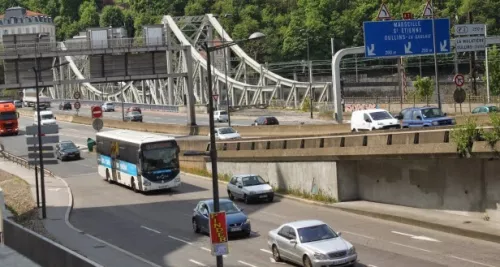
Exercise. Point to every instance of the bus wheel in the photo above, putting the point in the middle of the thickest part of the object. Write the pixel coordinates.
(134, 188)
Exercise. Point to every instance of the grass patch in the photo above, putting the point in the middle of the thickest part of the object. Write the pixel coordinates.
(320, 196)
(19, 201)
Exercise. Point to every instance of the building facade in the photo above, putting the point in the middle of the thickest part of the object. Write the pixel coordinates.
(18, 20)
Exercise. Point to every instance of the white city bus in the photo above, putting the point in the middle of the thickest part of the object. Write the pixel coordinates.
(141, 161)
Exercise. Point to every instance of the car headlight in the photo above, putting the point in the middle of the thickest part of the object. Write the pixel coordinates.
(247, 221)
(351, 251)
(435, 123)
(453, 121)
(320, 256)
(251, 193)
(146, 183)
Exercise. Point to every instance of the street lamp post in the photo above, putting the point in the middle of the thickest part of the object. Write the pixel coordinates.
(225, 74)
(213, 149)
(309, 67)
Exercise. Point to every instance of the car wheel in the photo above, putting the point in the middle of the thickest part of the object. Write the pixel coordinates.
(276, 254)
(307, 262)
(270, 199)
(231, 197)
(196, 228)
(245, 199)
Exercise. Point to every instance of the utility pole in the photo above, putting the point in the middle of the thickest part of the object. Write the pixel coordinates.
(473, 62)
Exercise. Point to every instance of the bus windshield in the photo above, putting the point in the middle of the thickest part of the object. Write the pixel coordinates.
(159, 159)
(8, 116)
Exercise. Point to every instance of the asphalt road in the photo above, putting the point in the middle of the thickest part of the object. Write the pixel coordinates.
(201, 119)
(157, 226)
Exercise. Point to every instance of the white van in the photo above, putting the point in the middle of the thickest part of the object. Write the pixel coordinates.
(220, 115)
(373, 119)
(46, 116)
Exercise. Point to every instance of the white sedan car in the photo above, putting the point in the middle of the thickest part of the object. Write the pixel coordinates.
(310, 243)
(249, 187)
(226, 133)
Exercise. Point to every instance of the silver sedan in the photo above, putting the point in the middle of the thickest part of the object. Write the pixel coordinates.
(311, 243)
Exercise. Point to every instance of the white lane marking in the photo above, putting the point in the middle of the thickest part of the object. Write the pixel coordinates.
(181, 240)
(150, 229)
(54, 189)
(247, 264)
(470, 261)
(272, 214)
(266, 251)
(418, 237)
(197, 263)
(369, 265)
(365, 236)
(412, 247)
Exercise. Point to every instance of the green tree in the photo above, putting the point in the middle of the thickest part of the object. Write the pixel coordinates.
(494, 70)
(424, 88)
(112, 16)
(88, 15)
(129, 23)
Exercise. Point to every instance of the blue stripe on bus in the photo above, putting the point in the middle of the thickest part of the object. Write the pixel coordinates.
(161, 171)
(123, 166)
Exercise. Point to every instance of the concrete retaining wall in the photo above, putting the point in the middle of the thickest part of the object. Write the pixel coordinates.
(40, 249)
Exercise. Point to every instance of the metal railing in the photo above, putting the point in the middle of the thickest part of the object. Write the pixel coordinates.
(152, 107)
(20, 161)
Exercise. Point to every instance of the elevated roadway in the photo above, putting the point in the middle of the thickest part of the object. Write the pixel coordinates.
(157, 226)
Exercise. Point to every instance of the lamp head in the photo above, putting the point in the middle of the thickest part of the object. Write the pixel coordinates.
(256, 36)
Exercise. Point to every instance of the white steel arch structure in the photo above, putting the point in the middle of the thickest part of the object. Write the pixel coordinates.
(248, 83)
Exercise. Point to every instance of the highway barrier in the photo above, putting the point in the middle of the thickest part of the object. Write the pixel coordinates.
(40, 249)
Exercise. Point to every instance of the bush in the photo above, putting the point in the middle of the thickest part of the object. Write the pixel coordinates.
(306, 106)
(493, 136)
(464, 136)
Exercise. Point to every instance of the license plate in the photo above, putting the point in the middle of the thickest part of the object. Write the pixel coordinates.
(235, 229)
(263, 196)
(341, 261)
(163, 186)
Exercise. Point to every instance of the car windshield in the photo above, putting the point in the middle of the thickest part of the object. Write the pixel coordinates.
(493, 109)
(252, 180)
(11, 115)
(159, 159)
(47, 116)
(223, 113)
(228, 207)
(432, 113)
(380, 115)
(227, 131)
(68, 145)
(316, 233)
(134, 113)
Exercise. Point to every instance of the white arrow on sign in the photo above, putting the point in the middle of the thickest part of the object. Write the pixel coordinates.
(424, 238)
(408, 48)
(371, 50)
(443, 46)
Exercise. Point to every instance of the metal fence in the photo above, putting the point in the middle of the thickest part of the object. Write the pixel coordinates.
(152, 107)
(20, 161)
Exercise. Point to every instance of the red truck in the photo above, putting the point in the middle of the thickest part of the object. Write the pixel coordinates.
(8, 119)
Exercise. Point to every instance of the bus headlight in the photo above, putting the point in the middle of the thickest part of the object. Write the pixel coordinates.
(146, 183)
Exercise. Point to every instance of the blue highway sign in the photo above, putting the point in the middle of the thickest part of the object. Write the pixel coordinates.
(406, 37)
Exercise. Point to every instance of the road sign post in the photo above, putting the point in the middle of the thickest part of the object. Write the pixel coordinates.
(77, 95)
(97, 124)
(459, 80)
(406, 38)
(96, 112)
(218, 234)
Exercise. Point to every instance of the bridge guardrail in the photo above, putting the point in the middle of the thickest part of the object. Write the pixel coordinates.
(152, 107)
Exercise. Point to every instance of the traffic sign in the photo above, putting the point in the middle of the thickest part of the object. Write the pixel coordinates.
(97, 124)
(406, 37)
(428, 10)
(383, 13)
(50, 139)
(470, 29)
(96, 112)
(218, 233)
(77, 95)
(459, 80)
(37, 155)
(46, 129)
(459, 95)
(407, 15)
(470, 43)
(77, 105)
(44, 148)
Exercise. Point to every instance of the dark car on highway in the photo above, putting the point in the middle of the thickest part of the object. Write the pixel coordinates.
(67, 150)
(65, 106)
(133, 116)
(237, 222)
(266, 120)
(134, 108)
(424, 117)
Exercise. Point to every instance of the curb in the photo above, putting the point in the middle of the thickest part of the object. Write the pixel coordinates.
(387, 217)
